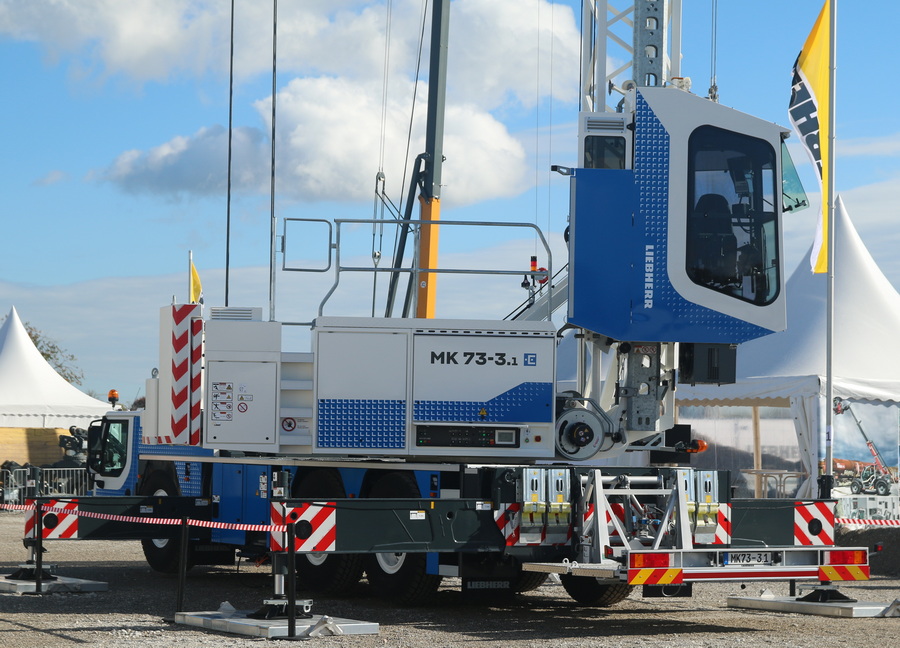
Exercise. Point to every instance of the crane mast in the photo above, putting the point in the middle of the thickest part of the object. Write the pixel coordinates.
(653, 27)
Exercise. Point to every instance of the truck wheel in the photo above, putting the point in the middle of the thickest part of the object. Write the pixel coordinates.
(883, 487)
(400, 576)
(856, 487)
(329, 575)
(528, 581)
(162, 554)
(589, 591)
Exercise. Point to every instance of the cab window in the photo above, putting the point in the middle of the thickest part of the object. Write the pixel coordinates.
(604, 152)
(113, 451)
(732, 219)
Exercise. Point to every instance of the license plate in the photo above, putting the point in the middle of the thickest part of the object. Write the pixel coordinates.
(748, 558)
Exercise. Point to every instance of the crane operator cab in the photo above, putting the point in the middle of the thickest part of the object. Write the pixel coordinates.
(675, 222)
(675, 258)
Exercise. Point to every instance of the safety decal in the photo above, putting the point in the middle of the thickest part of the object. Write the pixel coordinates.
(187, 355)
(507, 517)
(315, 524)
(59, 520)
(532, 525)
(655, 576)
(723, 525)
(615, 507)
(814, 523)
(843, 573)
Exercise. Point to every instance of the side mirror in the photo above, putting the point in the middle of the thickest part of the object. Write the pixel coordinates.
(95, 443)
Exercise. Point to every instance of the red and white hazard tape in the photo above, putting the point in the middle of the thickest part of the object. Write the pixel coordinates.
(854, 521)
(280, 528)
(17, 507)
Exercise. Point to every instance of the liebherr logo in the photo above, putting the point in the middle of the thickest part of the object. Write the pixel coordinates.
(649, 263)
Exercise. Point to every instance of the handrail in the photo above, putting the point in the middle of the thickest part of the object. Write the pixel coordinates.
(338, 268)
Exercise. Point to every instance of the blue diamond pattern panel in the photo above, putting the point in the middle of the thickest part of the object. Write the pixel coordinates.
(528, 402)
(361, 423)
(651, 174)
(189, 478)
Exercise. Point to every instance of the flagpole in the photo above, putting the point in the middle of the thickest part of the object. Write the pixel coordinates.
(829, 302)
(190, 274)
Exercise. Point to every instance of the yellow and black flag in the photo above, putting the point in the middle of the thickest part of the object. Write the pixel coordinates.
(810, 111)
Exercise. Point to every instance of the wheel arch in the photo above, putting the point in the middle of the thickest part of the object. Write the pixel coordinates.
(153, 467)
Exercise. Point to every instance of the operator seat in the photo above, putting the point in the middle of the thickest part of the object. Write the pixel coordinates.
(711, 243)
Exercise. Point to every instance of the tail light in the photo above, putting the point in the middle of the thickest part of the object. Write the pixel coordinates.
(649, 560)
(847, 557)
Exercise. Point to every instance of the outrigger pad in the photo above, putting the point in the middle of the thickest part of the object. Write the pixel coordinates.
(826, 595)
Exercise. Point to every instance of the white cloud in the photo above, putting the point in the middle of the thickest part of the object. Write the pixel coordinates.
(193, 165)
(328, 150)
(887, 145)
(52, 178)
(501, 51)
(329, 117)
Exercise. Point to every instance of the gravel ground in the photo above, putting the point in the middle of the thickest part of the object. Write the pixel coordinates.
(139, 605)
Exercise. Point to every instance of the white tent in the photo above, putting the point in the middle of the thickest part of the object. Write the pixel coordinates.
(32, 394)
(787, 369)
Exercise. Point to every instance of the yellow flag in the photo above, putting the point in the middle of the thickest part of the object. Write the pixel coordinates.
(196, 286)
(809, 111)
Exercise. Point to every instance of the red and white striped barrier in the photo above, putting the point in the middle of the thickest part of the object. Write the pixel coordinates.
(74, 511)
(857, 522)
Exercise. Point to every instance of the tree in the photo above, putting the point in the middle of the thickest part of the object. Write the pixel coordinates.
(60, 359)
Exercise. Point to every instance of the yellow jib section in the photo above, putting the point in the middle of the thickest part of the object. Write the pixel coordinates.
(428, 257)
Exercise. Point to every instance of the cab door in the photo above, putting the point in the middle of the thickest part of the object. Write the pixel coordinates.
(112, 457)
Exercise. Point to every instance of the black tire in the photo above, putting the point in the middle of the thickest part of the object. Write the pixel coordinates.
(589, 591)
(401, 577)
(162, 554)
(328, 575)
(883, 487)
(528, 581)
(856, 487)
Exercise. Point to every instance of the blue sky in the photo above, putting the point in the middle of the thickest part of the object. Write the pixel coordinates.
(115, 118)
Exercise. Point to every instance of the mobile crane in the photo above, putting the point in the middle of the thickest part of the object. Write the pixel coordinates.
(409, 449)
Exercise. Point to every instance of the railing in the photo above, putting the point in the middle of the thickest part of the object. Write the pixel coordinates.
(19, 484)
(339, 268)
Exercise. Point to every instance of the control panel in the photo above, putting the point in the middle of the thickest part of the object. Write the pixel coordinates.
(467, 436)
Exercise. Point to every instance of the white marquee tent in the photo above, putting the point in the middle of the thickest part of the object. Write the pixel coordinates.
(32, 394)
(787, 369)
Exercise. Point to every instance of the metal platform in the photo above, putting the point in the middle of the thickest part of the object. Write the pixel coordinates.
(59, 584)
(238, 622)
(847, 609)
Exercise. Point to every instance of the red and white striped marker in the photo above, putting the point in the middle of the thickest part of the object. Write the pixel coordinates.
(187, 353)
(814, 523)
(723, 525)
(59, 520)
(321, 516)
